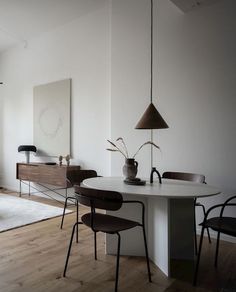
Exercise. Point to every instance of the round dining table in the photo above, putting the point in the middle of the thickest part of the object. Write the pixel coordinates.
(169, 214)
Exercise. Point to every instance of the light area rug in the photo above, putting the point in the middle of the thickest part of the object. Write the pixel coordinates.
(16, 212)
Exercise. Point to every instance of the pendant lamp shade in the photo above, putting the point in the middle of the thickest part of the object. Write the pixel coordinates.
(151, 119)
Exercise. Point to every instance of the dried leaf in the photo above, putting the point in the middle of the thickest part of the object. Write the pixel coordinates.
(124, 145)
(114, 150)
(118, 149)
(146, 143)
(113, 144)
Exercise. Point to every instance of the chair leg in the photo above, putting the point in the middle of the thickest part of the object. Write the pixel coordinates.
(217, 249)
(208, 233)
(77, 220)
(146, 252)
(64, 210)
(117, 262)
(69, 249)
(95, 245)
(198, 257)
(195, 230)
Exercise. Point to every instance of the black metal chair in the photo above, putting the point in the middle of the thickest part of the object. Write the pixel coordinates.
(194, 177)
(221, 224)
(76, 178)
(109, 201)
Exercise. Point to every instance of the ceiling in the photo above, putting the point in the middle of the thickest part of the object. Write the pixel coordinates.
(21, 20)
(188, 5)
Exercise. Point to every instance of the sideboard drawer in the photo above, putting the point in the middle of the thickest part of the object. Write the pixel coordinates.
(28, 172)
(46, 174)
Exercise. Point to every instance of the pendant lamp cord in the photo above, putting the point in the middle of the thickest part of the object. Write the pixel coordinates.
(151, 50)
(151, 67)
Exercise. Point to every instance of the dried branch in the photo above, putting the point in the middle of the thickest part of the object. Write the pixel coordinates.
(117, 148)
(124, 145)
(146, 143)
(125, 154)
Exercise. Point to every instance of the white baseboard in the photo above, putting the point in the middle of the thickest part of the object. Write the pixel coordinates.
(213, 234)
(11, 188)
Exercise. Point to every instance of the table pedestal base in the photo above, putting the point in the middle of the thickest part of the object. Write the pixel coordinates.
(170, 232)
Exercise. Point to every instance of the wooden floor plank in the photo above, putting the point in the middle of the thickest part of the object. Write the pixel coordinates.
(32, 260)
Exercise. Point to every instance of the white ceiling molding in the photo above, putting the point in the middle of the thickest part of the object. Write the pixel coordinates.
(188, 5)
(21, 21)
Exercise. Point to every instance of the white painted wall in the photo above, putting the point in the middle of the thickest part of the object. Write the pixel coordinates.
(197, 82)
(78, 50)
(194, 88)
(1, 132)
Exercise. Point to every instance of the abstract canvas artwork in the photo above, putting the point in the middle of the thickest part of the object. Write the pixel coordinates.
(52, 118)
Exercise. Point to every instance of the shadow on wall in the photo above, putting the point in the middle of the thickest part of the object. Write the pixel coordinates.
(1, 131)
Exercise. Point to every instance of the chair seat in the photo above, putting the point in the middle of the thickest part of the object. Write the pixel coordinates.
(225, 225)
(107, 223)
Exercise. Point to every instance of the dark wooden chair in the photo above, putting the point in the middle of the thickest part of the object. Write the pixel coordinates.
(109, 201)
(221, 224)
(194, 177)
(76, 177)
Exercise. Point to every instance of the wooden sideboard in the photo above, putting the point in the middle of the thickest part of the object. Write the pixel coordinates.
(40, 173)
(48, 174)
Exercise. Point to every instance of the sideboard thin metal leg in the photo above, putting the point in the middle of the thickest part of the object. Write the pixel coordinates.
(77, 220)
(20, 188)
(29, 188)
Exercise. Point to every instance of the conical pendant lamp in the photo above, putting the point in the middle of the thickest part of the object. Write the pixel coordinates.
(151, 119)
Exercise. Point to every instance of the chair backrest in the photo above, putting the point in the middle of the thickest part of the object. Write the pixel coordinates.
(105, 200)
(76, 177)
(194, 177)
(226, 203)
